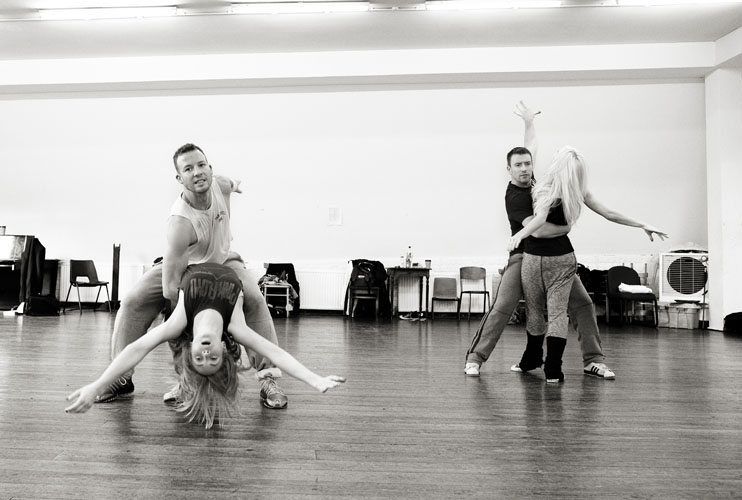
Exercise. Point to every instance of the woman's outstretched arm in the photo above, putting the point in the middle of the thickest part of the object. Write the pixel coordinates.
(282, 359)
(84, 397)
(599, 208)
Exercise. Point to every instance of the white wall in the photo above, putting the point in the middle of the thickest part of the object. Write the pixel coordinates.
(724, 129)
(406, 167)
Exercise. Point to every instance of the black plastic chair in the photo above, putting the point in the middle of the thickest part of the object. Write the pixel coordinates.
(473, 275)
(622, 274)
(444, 289)
(377, 292)
(84, 275)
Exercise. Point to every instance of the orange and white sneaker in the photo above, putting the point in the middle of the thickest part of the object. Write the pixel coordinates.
(271, 395)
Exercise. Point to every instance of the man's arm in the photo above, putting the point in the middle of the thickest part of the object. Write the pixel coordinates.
(227, 185)
(529, 136)
(599, 208)
(180, 234)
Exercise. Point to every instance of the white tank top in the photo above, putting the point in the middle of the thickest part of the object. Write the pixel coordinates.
(213, 235)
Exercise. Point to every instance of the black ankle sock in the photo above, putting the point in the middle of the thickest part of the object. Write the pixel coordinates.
(553, 364)
(533, 356)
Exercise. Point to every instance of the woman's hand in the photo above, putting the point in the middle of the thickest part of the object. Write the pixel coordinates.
(651, 230)
(83, 399)
(514, 242)
(325, 383)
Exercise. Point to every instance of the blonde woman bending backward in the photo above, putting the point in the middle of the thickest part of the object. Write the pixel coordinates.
(205, 332)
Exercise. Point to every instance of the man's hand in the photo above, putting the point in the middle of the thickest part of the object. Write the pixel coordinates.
(83, 400)
(651, 230)
(526, 113)
(236, 186)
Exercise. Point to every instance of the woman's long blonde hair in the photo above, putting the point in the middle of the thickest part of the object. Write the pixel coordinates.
(203, 399)
(565, 182)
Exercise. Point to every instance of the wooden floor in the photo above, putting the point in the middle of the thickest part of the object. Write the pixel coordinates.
(407, 424)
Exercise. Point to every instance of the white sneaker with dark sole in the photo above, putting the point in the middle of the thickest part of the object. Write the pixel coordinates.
(171, 397)
(471, 370)
(599, 370)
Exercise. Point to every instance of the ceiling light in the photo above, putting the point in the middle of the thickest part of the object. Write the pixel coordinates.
(107, 13)
(671, 2)
(490, 4)
(297, 7)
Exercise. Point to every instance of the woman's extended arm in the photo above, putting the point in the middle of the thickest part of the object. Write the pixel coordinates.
(127, 359)
(548, 230)
(599, 208)
(282, 359)
(538, 220)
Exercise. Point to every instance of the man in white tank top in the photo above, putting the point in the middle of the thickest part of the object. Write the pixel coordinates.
(198, 231)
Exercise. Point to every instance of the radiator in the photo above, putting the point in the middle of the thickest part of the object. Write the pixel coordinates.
(324, 290)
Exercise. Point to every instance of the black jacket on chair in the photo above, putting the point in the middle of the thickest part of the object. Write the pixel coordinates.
(286, 271)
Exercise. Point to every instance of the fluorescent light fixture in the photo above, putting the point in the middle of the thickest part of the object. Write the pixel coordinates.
(106, 13)
(490, 4)
(298, 7)
(631, 3)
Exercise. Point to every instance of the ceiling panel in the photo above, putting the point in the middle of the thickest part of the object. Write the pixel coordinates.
(376, 30)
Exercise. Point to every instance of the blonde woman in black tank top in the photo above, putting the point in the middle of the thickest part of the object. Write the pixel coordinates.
(205, 329)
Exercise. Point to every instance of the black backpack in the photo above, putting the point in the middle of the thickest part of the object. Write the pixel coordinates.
(42, 305)
(733, 323)
(368, 274)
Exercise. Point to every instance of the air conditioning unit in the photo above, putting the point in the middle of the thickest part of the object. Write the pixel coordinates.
(683, 276)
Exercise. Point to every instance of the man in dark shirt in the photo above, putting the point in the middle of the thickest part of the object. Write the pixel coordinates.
(519, 207)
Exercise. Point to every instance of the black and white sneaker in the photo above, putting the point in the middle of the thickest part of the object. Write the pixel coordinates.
(599, 370)
(121, 388)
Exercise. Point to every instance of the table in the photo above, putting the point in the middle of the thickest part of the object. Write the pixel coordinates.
(277, 290)
(394, 273)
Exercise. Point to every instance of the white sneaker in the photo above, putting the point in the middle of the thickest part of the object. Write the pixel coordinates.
(599, 370)
(171, 396)
(471, 370)
(516, 368)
